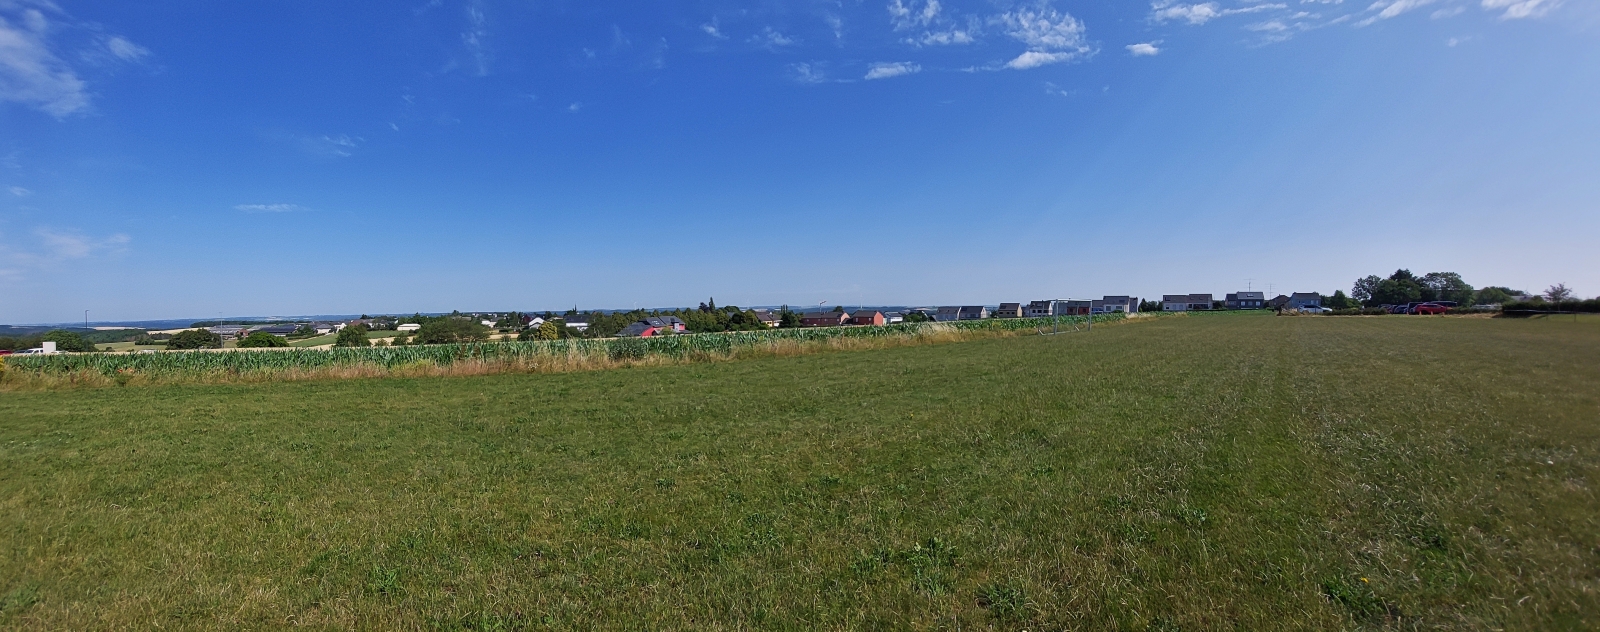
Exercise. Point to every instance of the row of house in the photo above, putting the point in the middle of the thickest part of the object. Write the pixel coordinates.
(1239, 300)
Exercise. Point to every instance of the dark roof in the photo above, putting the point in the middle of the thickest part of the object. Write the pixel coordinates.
(277, 329)
(1305, 295)
(834, 315)
(575, 318)
(662, 321)
(635, 329)
(865, 313)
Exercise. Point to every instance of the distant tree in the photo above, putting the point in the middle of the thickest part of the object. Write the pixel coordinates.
(545, 331)
(1149, 306)
(1494, 295)
(1365, 288)
(1445, 286)
(915, 317)
(838, 309)
(194, 339)
(1339, 301)
(1555, 293)
(68, 340)
(788, 318)
(451, 330)
(352, 336)
(262, 339)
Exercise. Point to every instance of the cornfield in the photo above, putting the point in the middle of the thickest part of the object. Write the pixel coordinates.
(678, 346)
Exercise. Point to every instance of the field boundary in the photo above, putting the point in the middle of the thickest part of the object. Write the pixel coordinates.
(208, 366)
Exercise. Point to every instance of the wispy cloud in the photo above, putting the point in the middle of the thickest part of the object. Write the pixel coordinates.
(20, 192)
(338, 146)
(711, 28)
(1390, 8)
(1518, 9)
(906, 16)
(1146, 49)
(1167, 11)
(885, 70)
(270, 208)
(30, 73)
(476, 37)
(51, 246)
(769, 38)
(576, 105)
(1051, 36)
(809, 72)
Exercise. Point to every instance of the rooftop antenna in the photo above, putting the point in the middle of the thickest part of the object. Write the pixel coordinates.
(1249, 285)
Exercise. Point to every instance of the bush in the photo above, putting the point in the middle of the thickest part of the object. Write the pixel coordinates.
(1590, 306)
(195, 339)
(545, 331)
(352, 336)
(262, 339)
(451, 330)
(68, 340)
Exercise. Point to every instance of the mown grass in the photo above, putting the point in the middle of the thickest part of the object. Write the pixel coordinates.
(1193, 474)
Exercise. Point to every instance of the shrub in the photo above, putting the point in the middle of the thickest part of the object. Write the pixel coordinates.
(262, 339)
(195, 339)
(68, 340)
(451, 330)
(352, 336)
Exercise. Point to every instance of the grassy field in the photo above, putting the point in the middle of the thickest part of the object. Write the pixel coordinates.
(1196, 473)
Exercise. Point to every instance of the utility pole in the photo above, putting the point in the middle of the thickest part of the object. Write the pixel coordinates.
(86, 319)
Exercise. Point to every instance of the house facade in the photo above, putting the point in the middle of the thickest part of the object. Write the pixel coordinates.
(1114, 304)
(1302, 300)
(947, 314)
(973, 312)
(1039, 309)
(1185, 302)
(1009, 310)
(867, 317)
(1246, 300)
(823, 319)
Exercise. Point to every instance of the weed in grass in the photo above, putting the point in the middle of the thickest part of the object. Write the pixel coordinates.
(18, 599)
(1357, 598)
(1005, 601)
(384, 581)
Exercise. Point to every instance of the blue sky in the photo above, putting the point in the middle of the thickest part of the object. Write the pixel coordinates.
(190, 158)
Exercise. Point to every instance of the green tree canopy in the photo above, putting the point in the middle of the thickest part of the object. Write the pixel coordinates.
(195, 339)
(68, 340)
(352, 336)
(1495, 295)
(262, 339)
(451, 330)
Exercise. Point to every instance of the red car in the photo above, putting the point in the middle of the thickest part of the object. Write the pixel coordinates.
(1428, 309)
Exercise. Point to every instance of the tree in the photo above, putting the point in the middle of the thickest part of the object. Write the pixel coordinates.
(68, 340)
(788, 318)
(1494, 295)
(1339, 301)
(195, 339)
(451, 330)
(262, 339)
(545, 331)
(1445, 286)
(915, 317)
(352, 336)
(1365, 288)
(1555, 293)
(1149, 306)
(838, 309)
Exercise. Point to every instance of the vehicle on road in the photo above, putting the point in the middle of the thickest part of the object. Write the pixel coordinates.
(1429, 309)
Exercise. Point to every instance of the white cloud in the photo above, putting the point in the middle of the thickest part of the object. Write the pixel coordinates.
(67, 245)
(1518, 9)
(908, 16)
(1448, 13)
(885, 70)
(1166, 11)
(1146, 49)
(1390, 8)
(270, 208)
(1191, 13)
(711, 29)
(476, 38)
(576, 105)
(809, 72)
(771, 39)
(126, 50)
(20, 192)
(944, 38)
(1051, 36)
(30, 73)
(1456, 41)
(1035, 59)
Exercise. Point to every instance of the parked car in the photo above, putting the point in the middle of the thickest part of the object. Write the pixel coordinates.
(1429, 309)
(35, 352)
(1315, 309)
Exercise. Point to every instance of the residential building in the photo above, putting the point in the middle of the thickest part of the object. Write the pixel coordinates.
(1009, 310)
(652, 326)
(867, 317)
(579, 322)
(823, 319)
(1185, 302)
(893, 317)
(948, 314)
(1246, 300)
(1302, 300)
(1072, 308)
(768, 317)
(1113, 304)
(1038, 309)
(973, 312)
(1278, 302)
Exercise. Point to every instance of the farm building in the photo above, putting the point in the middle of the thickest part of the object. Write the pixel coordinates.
(867, 317)
(823, 319)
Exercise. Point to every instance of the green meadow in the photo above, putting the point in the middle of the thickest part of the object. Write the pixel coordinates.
(1199, 473)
